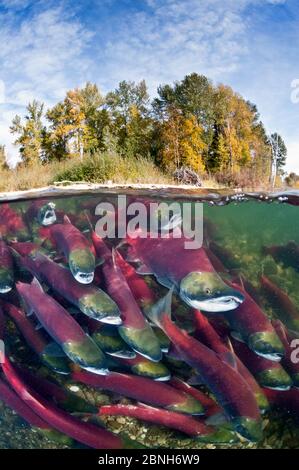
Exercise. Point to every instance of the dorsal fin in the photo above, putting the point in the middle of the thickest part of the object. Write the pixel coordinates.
(35, 282)
(66, 220)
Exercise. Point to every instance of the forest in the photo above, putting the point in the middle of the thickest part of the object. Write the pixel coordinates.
(192, 123)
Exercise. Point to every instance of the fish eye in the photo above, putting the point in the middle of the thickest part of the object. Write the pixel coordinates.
(208, 291)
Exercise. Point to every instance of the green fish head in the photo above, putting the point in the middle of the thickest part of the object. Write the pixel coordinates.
(249, 428)
(82, 265)
(6, 280)
(223, 435)
(153, 370)
(189, 406)
(109, 343)
(266, 344)
(143, 341)
(275, 379)
(58, 364)
(207, 292)
(46, 215)
(101, 307)
(87, 355)
(262, 402)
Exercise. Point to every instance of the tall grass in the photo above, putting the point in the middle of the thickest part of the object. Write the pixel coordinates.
(106, 167)
(101, 168)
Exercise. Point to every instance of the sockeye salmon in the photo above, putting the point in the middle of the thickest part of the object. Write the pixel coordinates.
(194, 278)
(76, 249)
(62, 328)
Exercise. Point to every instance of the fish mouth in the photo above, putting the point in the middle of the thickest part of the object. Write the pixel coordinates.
(123, 354)
(165, 378)
(267, 345)
(111, 320)
(84, 278)
(217, 304)
(5, 289)
(49, 218)
(96, 371)
(274, 357)
(279, 388)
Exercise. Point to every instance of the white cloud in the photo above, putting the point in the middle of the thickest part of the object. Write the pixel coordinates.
(40, 58)
(175, 38)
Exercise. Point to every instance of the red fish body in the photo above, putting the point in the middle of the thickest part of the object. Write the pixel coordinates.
(227, 385)
(14, 223)
(189, 270)
(135, 329)
(143, 294)
(76, 249)
(13, 401)
(186, 424)
(142, 389)
(208, 336)
(37, 341)
(52, 391)
(91, 300)
(86, 433)
(64, 330)
(254, 327)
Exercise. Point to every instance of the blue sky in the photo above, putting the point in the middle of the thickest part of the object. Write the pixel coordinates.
(47, 47)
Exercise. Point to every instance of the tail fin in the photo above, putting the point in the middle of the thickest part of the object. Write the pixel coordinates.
(160, 309)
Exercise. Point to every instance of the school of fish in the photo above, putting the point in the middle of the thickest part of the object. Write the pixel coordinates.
(174, 330)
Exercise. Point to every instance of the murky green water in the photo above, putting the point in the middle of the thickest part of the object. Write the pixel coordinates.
(239, 234)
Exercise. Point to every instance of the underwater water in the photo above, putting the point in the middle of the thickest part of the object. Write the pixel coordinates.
(166, 346)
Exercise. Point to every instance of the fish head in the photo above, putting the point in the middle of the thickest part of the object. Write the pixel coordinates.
(46, 215)
(249, 428)
(82, 265)
(142, 340)
(6, 280)
(208, 292)
(153, 370)
(86, 354)
(266, 344)
(275, 379)
(100, 307)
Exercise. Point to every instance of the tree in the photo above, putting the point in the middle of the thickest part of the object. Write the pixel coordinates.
(76, 124)
(131, 123)
(30, 133)
(181, 143)
(193, 96)
(279, 155)
(3, 160)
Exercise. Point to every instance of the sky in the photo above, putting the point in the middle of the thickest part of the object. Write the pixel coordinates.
(48, 47)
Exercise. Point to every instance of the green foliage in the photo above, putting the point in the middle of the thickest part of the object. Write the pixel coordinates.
(192, 123)
(104, 167)
(30, 133)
